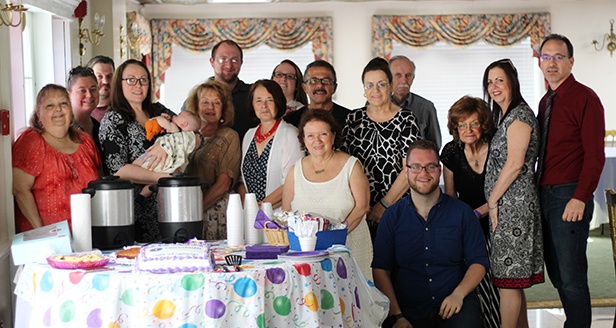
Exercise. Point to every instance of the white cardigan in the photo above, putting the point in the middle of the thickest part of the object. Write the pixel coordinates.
(284, 153)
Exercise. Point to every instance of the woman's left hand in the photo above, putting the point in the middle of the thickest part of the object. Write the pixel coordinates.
(154, 156)
(493, 213)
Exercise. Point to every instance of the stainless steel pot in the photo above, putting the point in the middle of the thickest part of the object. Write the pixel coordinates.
(180, 199)
(112, 202)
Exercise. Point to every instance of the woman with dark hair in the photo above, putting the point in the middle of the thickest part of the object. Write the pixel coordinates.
(51, 161)
(82, 89)
(379, 135)
(331, 183)
(516, 258)
(123, 139)
(217, 162)
(289, 77)
(270, 149)
(464, 159)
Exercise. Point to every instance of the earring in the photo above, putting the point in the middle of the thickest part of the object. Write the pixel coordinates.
(364, 95)
(392, 93)
(222, 120)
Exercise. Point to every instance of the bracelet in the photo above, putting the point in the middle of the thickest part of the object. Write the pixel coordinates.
(492, 207)
(398, 316)
(385, 203)
(478, 214)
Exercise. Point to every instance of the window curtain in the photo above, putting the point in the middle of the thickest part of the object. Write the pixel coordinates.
(422, 31)
(203, 34)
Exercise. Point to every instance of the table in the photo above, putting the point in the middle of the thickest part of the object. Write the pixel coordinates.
(328, 293)
(607, 180)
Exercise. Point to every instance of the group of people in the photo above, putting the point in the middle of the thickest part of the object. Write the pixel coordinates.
(458, 258)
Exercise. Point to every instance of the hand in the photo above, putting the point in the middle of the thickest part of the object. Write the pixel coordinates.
(154, 156)
(451, 305)
(493, 214)
(376, 213)
(165, 115)
(574, 211)
(402, 323)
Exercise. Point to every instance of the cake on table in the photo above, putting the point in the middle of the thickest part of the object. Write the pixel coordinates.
(166, 258)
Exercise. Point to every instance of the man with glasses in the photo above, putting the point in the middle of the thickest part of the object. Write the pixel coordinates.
(320, 86)
(103, 68)
(403, 71)
(571, 159)
(226, 60)
(429, 251)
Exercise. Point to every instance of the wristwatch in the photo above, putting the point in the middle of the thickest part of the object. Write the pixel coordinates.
(398, 316)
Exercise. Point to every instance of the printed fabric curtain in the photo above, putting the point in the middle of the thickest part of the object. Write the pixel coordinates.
(203, 34)
(421, 31)
(139, 35)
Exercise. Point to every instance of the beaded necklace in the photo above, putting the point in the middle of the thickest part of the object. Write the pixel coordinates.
(261, 137)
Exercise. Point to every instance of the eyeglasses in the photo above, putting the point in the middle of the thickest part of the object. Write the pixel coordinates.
(285, 76)
(233, 60)
(132, 81)
(556, 58)
(430, 168)
(474, 125)
(379, 85)
(324, 81)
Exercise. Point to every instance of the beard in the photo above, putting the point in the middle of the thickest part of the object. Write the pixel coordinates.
(424, 190)
(228, 79)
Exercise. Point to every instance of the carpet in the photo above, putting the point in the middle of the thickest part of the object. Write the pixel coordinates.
(601, 277)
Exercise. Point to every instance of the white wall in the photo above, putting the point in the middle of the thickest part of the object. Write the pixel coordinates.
(578, 20)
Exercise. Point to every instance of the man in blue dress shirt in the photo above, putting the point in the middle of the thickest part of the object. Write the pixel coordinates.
(429, 252)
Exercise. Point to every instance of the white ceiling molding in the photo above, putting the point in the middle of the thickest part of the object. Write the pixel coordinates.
(62, 8)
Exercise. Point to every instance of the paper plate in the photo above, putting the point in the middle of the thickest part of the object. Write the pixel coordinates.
(315, 256)
(59, 264)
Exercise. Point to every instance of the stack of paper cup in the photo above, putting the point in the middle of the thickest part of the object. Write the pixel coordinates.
(251, 208)
(235, 221)
(269, 211)
(81, 222)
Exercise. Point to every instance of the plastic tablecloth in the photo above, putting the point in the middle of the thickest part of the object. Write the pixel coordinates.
(607, 180)
(328, 293)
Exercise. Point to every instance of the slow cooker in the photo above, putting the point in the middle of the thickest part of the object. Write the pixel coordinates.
(113, 220)
(180, 208)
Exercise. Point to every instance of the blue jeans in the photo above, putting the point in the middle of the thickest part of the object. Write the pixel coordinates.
(565, 252)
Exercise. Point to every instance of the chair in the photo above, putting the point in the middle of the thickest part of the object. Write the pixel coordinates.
(610, 138)
(610, 199)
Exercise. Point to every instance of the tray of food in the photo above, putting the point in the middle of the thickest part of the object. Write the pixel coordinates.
(87, 260)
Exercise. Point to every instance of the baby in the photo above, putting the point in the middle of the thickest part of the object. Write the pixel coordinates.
(177, 136)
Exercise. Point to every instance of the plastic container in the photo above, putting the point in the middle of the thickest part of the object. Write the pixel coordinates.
(325, 239)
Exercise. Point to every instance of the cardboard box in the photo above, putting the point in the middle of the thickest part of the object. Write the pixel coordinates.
(37, 244)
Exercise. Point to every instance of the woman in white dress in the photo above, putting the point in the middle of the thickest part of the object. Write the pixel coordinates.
(331, 183)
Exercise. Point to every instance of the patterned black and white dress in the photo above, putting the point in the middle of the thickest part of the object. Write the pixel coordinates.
(380, 147)
(122, 141)
(254, 168)
(516, 259)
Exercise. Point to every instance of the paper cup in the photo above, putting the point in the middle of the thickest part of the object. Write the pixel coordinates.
(307, 244)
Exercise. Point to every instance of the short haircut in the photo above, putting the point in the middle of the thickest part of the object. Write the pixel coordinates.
(423, 144)
(231, 43)
(228, 114)
(322, 63)
(464, 108)
(280, 102)
(100, 59)
(323, 116)
(78, 72)
(561, 38)
(401, 57)
(35, 119)
(377, 64)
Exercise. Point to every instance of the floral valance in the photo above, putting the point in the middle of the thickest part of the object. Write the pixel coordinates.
(139, 31)
(203, 34)
(421, 31)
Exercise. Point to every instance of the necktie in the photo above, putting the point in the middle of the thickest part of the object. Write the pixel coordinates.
(544, 134)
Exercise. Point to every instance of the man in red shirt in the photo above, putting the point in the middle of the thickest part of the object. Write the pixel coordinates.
(568, 172)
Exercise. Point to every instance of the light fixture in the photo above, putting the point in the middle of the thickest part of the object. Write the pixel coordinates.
(610, 38)
(93, 37)
(129, 39)
(8, 13)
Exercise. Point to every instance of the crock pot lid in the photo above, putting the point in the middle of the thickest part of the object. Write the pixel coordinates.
(178, 181)
(110, 182)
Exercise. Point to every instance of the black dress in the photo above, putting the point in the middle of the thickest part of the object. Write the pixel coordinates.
(468, 184)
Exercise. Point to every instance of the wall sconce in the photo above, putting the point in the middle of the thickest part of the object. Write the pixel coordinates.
(610, 38)
(8, 12)
(93, 37)
(128, 39)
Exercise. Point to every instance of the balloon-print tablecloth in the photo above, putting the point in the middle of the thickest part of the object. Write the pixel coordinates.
(328, 293)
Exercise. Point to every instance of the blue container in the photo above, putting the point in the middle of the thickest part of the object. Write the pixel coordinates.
(325, 239)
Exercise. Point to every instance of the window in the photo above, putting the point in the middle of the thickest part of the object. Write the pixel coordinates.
(189, 68)
(446, 72)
